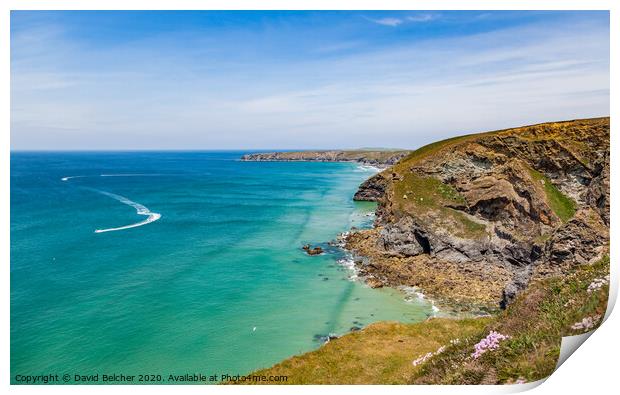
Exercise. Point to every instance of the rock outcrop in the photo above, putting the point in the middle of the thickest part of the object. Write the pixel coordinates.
(500, 207)
(379, 158)
(372, 189)
(312, 251)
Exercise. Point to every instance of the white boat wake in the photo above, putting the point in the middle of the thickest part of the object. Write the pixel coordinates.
(70, 177)
(140, 209)
(116, 175)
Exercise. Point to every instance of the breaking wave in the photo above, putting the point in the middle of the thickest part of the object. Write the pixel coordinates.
(368, 168)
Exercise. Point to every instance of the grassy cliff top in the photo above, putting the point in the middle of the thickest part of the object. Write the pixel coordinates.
(384, 353)
(574, 132)
(414, 193)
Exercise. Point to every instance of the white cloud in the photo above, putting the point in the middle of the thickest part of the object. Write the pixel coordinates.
(391, 21)
(421, 18)
(399, 96)
(387, 21)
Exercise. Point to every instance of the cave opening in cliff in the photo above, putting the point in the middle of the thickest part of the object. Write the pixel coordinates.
(423, 242)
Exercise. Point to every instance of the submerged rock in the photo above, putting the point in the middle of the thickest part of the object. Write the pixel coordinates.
(374, 283)
(312, 251)
(325, 338)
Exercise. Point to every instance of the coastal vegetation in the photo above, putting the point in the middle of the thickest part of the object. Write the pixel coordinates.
(562, 205)
(490, 211)
(385, 352)
(506, 231)
(416, 194)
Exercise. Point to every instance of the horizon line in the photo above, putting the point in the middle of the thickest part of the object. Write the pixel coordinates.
(207, 149)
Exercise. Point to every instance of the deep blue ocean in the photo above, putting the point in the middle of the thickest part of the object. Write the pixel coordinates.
(182, 262)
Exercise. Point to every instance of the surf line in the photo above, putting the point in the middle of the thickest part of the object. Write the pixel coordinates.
(140, 209)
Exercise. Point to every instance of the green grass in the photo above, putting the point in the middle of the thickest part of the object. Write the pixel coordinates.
(383, 353)
(543, 131)
(542, 239)
(380, 353)
(535, 322)
(562, 205)
(431, 149)
(415, 194)
(470, 229)
(426, 192)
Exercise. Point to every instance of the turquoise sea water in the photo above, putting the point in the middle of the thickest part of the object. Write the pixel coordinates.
(217, 284)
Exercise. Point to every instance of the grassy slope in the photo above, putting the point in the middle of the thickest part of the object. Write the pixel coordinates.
(382, 353)
(415, 194)
(563, 206)
(440, 194)
(535, 322)
(420, 194)
(549, 130)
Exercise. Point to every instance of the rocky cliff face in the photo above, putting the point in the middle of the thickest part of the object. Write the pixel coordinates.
(486, 213)
(372, 189)
(381, 158)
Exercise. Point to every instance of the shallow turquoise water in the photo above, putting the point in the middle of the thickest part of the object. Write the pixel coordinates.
(218, 284)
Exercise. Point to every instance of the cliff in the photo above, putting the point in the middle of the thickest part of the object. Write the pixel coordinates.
(471, 220)
(380, 158)
(517, 219)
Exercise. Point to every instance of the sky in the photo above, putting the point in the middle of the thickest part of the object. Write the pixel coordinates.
(201, 80)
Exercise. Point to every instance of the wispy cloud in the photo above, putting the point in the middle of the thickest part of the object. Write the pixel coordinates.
(289, 89)
(393, 21)
(422, 17)
(387, 21)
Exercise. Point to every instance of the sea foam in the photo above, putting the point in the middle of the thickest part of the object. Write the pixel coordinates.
(368, 168)
(349, 263)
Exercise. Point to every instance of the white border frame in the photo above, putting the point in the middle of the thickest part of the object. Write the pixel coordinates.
(593, 367)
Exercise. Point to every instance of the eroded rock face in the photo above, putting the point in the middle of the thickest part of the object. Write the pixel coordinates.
(579, 241)
(404, 238)
(597, 196)
(529, 201)
(372, 189)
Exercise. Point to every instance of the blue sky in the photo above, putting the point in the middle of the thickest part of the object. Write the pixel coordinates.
(283, 80)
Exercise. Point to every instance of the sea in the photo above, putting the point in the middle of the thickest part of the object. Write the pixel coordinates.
(175, 263)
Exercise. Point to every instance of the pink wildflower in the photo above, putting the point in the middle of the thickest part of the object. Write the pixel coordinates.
(598, 283)
(586, 323)
(428, 355)
(520, 380)
(491, 342)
